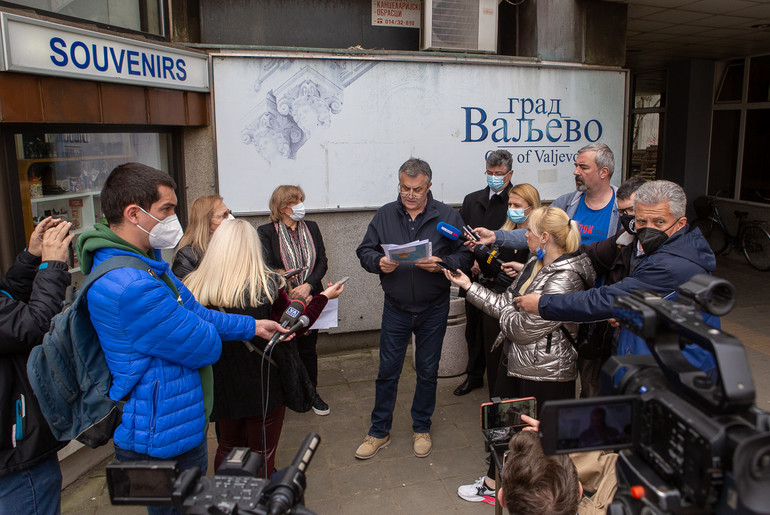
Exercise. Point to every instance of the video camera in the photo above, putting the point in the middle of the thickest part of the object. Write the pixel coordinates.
(234, 489)
(686, 443)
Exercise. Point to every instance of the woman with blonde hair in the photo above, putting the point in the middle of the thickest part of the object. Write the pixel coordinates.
(248, 406)
(293, 243)
(539, 359)
(206, 214)
(522, 199)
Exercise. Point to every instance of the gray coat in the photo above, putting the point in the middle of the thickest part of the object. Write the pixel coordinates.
(526, 336)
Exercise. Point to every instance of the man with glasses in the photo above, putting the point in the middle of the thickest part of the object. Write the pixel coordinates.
(483, 208)
(416, 301)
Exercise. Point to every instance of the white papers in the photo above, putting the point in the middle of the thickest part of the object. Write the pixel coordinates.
(408, 252)
(328, 317)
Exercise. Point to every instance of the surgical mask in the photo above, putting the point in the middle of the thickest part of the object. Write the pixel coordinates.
(166, 233)
(297, 212)
(495, 183)
(516, 215)
(230, 216)
(651, 238)
(627, 221)
(540, 254)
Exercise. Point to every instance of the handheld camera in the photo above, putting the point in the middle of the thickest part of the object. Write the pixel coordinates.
(689, 440)
(233, 489)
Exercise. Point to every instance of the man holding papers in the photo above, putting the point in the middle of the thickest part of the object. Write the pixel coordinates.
(416, 299)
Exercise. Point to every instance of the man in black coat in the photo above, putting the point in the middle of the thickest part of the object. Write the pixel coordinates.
(484, 208)
(31, 293)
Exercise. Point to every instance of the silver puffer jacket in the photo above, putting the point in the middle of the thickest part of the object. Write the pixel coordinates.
(524, 335)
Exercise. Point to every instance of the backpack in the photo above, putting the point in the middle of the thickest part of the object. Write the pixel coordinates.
(68, 371)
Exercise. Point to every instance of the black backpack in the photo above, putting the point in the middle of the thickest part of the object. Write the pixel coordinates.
(69, 374)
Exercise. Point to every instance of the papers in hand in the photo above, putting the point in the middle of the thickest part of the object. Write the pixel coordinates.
(408, 252)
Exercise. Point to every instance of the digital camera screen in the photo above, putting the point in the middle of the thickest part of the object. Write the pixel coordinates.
(597, 426)
(590, 424)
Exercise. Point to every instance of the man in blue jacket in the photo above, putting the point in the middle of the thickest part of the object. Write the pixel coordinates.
(667, 254)
(416, 301)
(157, 340)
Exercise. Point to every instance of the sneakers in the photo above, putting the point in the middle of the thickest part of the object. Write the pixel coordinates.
(370, 447)
(422, 444)
(477, 492)
(319, 406)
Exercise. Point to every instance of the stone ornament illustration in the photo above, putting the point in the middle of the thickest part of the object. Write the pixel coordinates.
(293, 111)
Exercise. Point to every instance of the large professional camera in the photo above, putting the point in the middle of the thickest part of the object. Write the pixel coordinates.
(234, 489)
(687, 443)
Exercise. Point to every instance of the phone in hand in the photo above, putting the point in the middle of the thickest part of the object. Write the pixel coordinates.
(497, 415)
(446, 267)
(343, 280)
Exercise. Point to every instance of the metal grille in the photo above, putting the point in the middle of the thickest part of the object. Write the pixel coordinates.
(456, 24)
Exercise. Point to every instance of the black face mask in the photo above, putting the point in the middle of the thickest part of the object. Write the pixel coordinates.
(627, 221)
(651, 238)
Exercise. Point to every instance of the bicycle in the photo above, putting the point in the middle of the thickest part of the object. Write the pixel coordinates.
(751, 238)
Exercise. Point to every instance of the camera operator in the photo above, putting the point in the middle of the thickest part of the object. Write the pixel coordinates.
(31, 293)
(583, 483)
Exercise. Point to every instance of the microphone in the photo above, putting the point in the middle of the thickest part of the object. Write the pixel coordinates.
(301, 322)
(290, 489)
(289, 317)
(480, 251)
(291, 273)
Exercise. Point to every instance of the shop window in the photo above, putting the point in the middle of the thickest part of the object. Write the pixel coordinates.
(62, 174)
(756, 157)
(138, 15)
(723, 160)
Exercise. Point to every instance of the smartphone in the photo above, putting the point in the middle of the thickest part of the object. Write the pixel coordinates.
(446, 267)
(497, 415)
(291, 273)
(343, 280)
(589, 424)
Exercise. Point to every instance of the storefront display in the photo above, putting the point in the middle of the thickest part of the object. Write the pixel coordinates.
(62, 174)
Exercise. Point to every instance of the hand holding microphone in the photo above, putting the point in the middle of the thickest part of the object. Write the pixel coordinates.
(290, 317)
(480, 251)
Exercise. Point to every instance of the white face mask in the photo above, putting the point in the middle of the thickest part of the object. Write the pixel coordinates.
(298, 212)
(230, 216)
(166, 233)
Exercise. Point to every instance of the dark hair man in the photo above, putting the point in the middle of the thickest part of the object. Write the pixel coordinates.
(664, 254)
(158, 341)
(416, 301)
(31, 293)
(484, 208)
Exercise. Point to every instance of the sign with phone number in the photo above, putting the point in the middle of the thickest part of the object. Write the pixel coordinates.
(396, 14)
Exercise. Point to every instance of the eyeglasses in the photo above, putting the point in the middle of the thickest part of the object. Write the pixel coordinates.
(626, 211)
(411, 192)
(496, 174)
(223, 215)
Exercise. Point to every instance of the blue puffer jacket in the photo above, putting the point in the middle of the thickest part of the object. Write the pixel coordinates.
(154, 345)
(682, 256)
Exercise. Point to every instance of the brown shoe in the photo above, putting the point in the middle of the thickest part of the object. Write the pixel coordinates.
(370, 446)
(422, 444)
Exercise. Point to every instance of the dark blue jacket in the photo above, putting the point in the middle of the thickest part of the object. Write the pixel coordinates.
(408, 287)
(682, 256)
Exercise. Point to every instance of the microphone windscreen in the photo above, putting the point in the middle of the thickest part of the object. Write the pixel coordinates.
(448, 231)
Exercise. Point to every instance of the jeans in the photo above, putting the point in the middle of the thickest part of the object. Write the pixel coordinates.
(197, 457)
(36, 490)
(428, 327)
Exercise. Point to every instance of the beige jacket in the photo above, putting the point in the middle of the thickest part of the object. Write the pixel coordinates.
(596, 471)
(537, 349)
